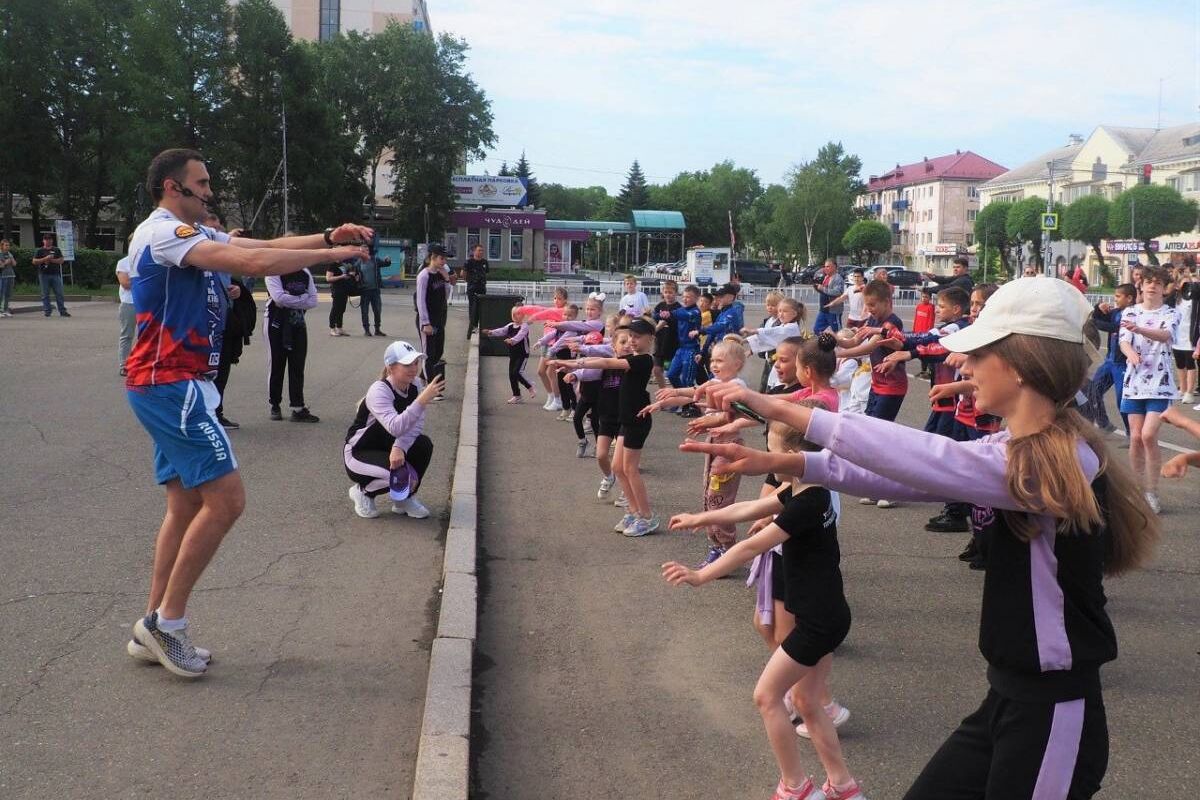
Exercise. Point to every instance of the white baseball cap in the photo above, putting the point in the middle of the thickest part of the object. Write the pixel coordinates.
(401, 353)
(1044, 307)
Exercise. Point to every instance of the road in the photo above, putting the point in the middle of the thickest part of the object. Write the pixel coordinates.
(320, 621)
(596, 679)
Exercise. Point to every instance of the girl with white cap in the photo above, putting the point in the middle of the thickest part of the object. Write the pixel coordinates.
(1058, 513)
(387, 433)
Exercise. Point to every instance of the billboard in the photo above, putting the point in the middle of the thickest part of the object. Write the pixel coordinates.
(64, 233)
(489, 190)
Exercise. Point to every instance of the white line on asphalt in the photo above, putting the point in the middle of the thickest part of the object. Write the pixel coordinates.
(1161, 443)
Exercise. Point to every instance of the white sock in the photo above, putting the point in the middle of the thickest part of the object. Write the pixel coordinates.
(165, 624)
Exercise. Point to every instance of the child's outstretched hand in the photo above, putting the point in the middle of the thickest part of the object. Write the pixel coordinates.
(570, 377)
(1176, 467)
(759, 525)
(677, 574)
(684, 522)
(508, 341)
(650, 409)
(703, 424)
(943, 391)
(664, 394)
(745, 460)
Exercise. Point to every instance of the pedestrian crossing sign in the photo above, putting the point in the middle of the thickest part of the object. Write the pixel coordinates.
(1049, 222)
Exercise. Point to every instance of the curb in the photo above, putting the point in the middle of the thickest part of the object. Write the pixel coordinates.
(444, 746)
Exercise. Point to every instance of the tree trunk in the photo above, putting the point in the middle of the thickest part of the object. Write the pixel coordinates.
(35, 214)
(1150, 254)
(1102, 269)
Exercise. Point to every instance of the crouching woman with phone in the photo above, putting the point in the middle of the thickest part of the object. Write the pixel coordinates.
(388, 433)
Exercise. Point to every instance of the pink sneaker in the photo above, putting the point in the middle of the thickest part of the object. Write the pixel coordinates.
(806, 791)
(837, 713)
(851, 792)
(514, 400)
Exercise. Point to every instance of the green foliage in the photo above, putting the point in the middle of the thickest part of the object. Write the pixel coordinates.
(1024, 225)
(1086, 220)
(707, 198)
(759, 228)
(865, 239)
(92, 269)
(991, 231)
(820, 204)
(635, 194)
(1149, 210)
(579, 203)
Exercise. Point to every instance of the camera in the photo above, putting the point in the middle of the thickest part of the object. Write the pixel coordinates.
(384, 262)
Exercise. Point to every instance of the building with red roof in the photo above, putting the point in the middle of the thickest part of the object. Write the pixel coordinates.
(930, 206)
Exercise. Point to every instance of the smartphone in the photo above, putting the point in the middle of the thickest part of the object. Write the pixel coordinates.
(743, 410)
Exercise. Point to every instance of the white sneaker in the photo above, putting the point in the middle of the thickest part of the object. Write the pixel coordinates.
(886, 504)
(549, 402)
(622, 501)
(363, 506)
(1194, 408)
(140, 652)
(1152, 501)
(866, 501)
(624, 523)
(412, 507)
(606, 485)
(837, 713)
(1188, 397)
(555, 404)
(564, 415)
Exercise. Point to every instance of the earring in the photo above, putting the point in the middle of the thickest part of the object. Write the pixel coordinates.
(1020, 381)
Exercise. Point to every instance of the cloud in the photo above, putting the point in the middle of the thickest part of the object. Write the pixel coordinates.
(681, 84)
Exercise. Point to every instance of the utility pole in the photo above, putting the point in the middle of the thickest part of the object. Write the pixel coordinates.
(283, 116)
(1049, 210)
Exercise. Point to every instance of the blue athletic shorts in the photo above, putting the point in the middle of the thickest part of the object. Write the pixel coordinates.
(1144, 407)
(189, 443)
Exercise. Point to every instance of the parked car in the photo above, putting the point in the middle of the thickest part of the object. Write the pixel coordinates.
(904, 278)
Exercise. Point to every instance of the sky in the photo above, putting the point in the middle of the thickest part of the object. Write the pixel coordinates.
(584, 88)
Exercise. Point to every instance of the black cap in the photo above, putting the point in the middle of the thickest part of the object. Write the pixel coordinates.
(437, 249)
(729, 288)
(639, 326)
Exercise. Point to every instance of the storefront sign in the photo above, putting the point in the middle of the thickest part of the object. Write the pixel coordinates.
(1180, 247)
(1128, 245)
(489, 190)
(941, 249)
(498, 219)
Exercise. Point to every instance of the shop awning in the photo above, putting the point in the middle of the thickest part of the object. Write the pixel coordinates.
(648, 220)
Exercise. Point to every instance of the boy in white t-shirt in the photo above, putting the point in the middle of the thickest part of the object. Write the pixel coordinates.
(125, 314)
(854, 300)
(1183, 347)
(634, 302)
(1147, 331)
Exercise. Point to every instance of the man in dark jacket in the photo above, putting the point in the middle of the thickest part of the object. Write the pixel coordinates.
(961, 277)
(475, 271)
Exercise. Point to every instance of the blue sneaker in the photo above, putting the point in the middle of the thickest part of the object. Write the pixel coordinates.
(642, 526)
(173, 649)
(625, 522)
(714, 553)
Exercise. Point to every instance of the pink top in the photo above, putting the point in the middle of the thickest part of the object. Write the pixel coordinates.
(828, 396)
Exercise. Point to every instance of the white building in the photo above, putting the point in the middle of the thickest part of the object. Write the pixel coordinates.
(318, 20)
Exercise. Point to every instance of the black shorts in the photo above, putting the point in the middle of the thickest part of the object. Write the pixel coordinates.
(1184, 359)
(778, 582)
(609, 426)
(634, 434)
(811, 640)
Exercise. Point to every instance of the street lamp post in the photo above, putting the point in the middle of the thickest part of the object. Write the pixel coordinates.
(283, 117)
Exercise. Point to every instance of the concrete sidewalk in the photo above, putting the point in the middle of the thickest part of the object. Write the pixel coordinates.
(320, 621)
(597, 679)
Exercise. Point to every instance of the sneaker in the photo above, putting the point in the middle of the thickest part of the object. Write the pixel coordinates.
(625, 522)
(333, 332)
(1188, 397)
(947, 523)
(970, 552)
(851, 792)
(379, 332)
(793, 714)
(606, 485)
(516, 399)
(304, 415)
(886, 504)
(412, 507)
(714, 553)
(690, 411)
(566, 415)
(173, 649)
(806, 791)
(837, 713)
(622, 501)
(276, 414)
(581, 451)
(549, 402)
(641, 526)
(1109, 428)
(366, 331)
(140, 652)
(555, 404)
(64, 314)
(227, 423)
(364, 506)
(1196, 407)
(866, 501)
(1152, 501)
(978, 565)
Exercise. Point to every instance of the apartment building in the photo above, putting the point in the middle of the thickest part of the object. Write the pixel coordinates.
(931, 206)
(318, 20)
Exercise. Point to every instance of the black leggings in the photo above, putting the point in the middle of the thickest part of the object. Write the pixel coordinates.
(290, 359)
(516, 375)
(372, 469)
(1009, 748)
(338, 310)
(566, 391)
(433, 345)
(589, 392)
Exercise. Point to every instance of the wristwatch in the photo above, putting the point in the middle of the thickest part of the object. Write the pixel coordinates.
(328, 238)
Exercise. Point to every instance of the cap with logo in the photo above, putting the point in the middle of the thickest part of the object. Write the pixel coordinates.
(437, 249)
(1047, 308)
(729, 288)
(639, 326)
(401, 353)
(403, 482)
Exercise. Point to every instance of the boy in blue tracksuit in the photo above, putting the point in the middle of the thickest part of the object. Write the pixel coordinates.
(682, 370)
(730, 318)
(1107, 319)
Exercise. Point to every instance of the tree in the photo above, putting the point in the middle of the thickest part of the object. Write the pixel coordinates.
(991, 231)
(865, 238)
(1086, 220)
(569, 202)
(1024, 225)
(1151, 210)
(504, 172)
(707, 199)
(635, 194)
(758, 226)
(533, 192)
(821, 195)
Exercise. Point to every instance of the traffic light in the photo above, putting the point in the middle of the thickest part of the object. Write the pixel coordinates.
(1146, 169)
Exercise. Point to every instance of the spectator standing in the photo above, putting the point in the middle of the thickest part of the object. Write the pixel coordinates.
(287, 340)
(829, 288)
(125, 314)
(434, 285)
(959, 276)
(49, 259)
(343, 282)
(8, 276)
(240, 312)
(370, 297)
(474, 270)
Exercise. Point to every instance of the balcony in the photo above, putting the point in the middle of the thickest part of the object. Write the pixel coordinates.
(899, 205)
(895, 227)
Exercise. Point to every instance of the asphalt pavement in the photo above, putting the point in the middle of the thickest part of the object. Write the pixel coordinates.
(596, 679)
(320, 622)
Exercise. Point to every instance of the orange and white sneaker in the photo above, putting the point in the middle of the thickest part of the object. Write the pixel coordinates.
(806, 791)
(851, 792)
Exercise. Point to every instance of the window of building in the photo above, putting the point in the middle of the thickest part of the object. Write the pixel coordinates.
(106, 238)
(516, 245)
(494, 246)
(329, 21)
(472, 239)
(972, 192)
(970, 239)
(451, 242)
(972, 214)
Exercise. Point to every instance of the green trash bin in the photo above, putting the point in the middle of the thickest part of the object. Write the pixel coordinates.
(495, 311)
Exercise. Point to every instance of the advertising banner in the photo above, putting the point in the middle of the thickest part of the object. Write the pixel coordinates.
(489, 190)
(1128, 245)
(64, 232)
